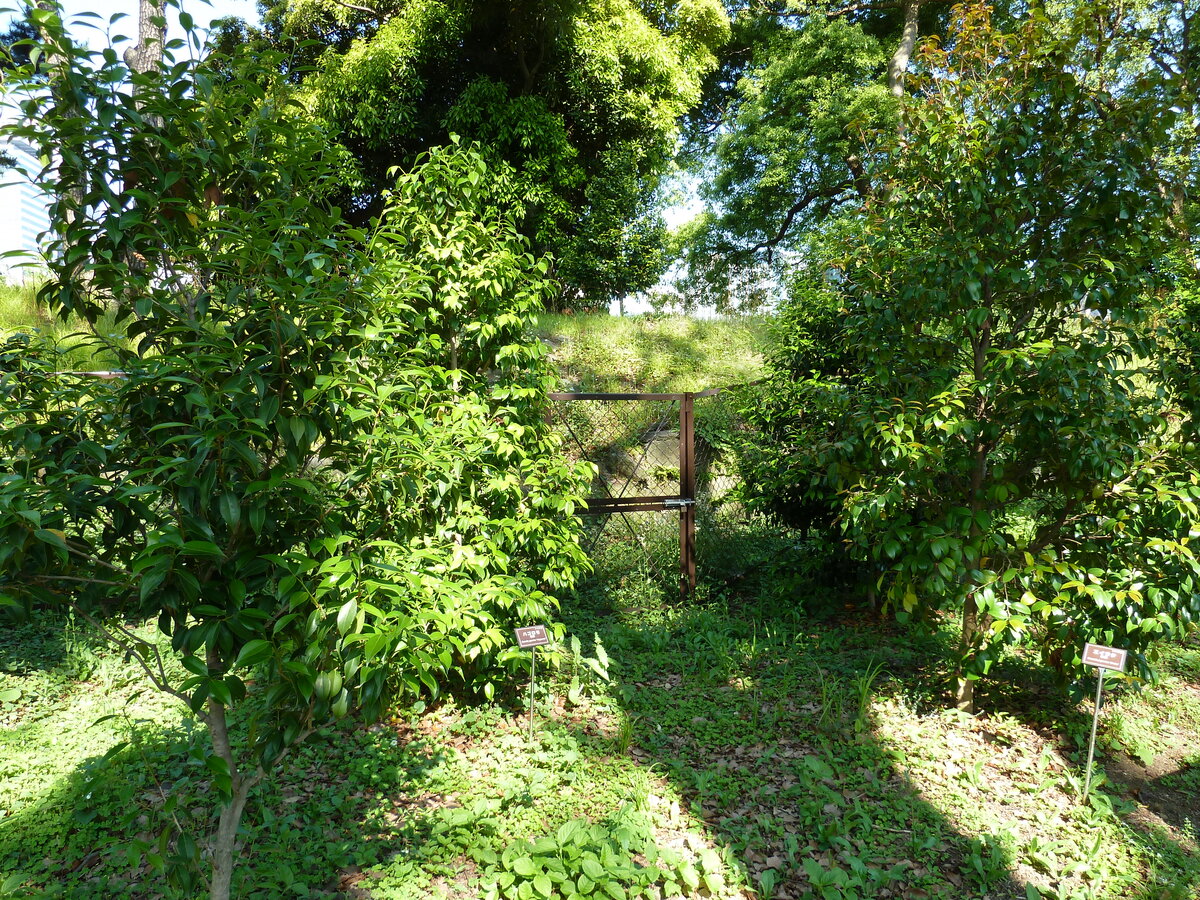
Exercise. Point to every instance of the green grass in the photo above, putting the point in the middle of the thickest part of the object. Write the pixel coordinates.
(651, 353)
(17, 306)
(741, 747)
(75, 338)
(737, 751)
(590, 352)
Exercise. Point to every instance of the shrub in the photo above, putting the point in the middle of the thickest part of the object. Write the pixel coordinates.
(326, 470)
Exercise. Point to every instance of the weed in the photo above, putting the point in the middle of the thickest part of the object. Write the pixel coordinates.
(588, 673)
(864, 686)
(831, 707)
(80, 656)
(625, 732)
(986, 860)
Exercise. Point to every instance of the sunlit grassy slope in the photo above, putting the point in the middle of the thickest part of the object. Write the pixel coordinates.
(590, 352)
(20, 312)
(598, 353)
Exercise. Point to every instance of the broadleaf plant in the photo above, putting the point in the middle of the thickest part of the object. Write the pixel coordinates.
(324, 470)
(1002, 442)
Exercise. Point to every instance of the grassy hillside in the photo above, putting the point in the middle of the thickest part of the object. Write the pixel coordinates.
(600, 353)
(19, 312)
(591, 352)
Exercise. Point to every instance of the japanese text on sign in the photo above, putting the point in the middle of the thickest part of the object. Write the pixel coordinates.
(1104, 657)
(533, 636)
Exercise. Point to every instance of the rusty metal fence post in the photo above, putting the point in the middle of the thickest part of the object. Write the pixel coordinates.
(687, 495)
(719, 538)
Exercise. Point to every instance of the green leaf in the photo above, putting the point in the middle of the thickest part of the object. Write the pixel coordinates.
(12, 882)
(592, 868)
(346, 615)
(524, 867)
(51, 536)
(254, 652)
(567, 831)
(202, 548)
(690, 876)
(231, 510)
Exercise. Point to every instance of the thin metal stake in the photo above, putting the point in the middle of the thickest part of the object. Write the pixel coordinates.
(532, 670)
(1087, 782)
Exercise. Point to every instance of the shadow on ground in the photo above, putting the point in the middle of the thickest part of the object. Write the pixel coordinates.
(812, 757)
(818, 753)
(352, 798)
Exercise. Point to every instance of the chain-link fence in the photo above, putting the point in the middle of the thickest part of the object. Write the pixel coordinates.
(665, 500)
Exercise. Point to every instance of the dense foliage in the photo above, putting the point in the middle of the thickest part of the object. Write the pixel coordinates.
(576, 103)
(780, 131)
(326, 468)
(1005, 442)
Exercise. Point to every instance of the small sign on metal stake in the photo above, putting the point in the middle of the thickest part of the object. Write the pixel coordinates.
(1105, 659)
(530, 638)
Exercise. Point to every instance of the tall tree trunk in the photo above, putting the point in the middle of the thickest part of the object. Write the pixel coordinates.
(225, 841)
(146, 53)
(56, 64)
(981, 345)
(904, 51)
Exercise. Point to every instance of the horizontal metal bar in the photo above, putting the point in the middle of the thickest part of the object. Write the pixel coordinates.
(114, 374)
(621, 502)
(618, 510)
(557, 396)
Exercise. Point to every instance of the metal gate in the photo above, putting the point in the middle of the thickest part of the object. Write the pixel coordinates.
(645, 451)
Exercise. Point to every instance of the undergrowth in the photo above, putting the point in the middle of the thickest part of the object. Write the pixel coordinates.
(83, 346)
(728, 748)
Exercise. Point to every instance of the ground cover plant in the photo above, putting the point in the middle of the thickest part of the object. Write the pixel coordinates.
(745, 750)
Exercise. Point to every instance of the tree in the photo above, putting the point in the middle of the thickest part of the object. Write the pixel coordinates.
(779, 131)
(577, 103)
(1005, 451)
(326, 470)
(11, 47)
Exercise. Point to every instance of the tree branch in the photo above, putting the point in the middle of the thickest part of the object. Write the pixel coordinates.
(366, 10)
(864, 7)
(132, 647)
(829, 193)
(95, 560)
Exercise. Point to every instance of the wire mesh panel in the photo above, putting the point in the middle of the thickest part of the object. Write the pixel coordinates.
(731, 539)
(633, 512)
(665, 500)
